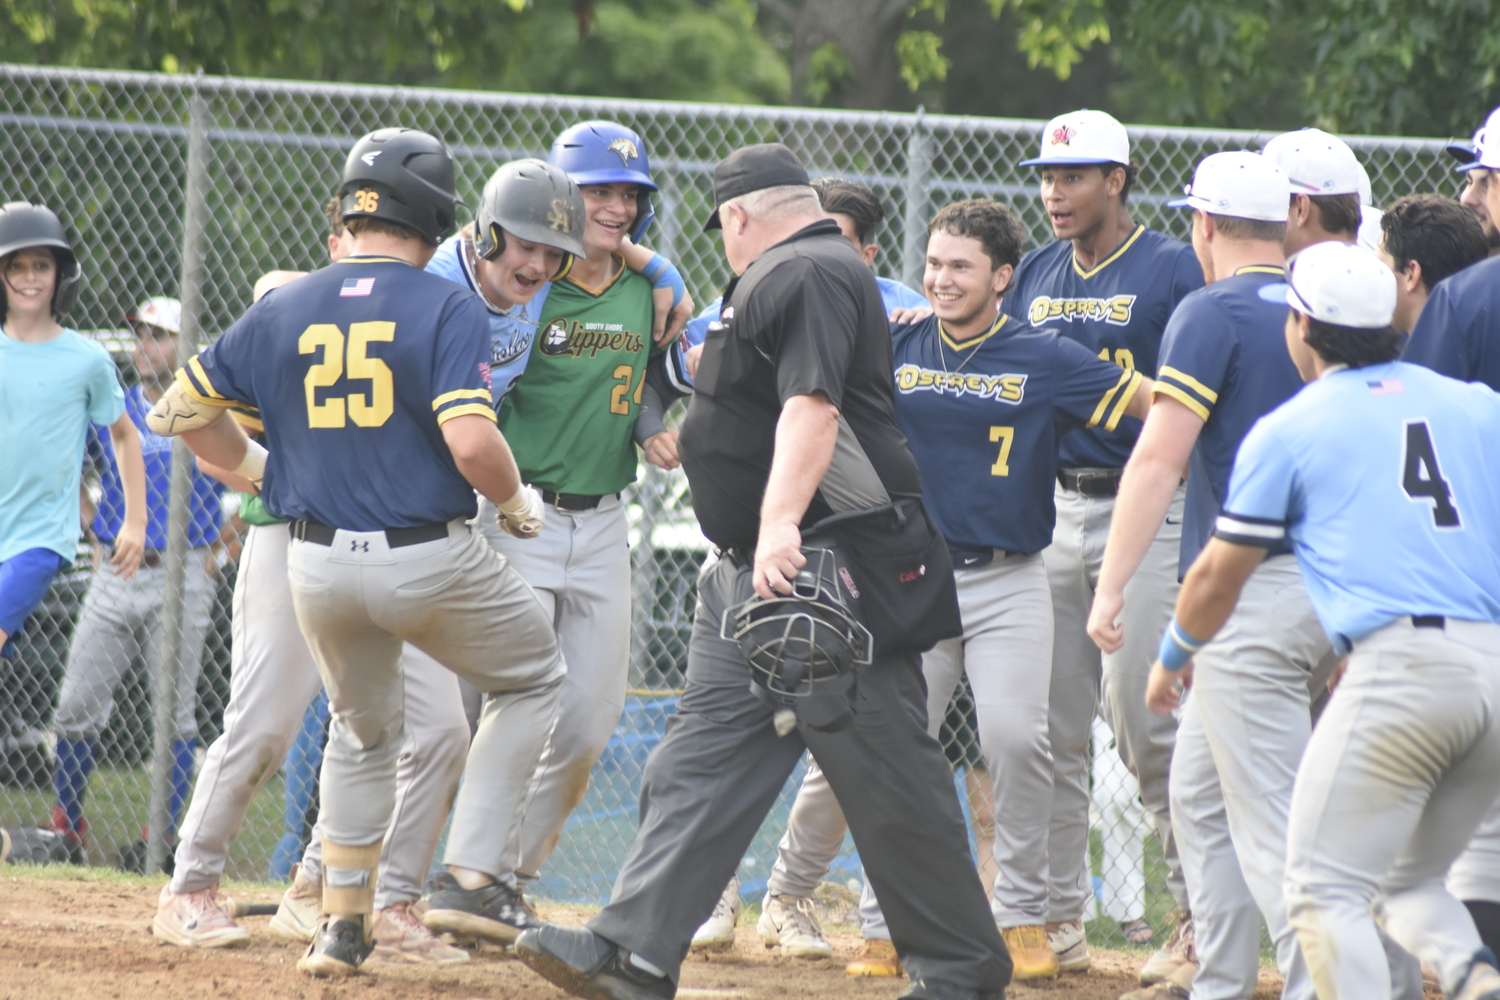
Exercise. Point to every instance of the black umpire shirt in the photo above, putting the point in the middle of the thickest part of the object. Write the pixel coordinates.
(805, 317)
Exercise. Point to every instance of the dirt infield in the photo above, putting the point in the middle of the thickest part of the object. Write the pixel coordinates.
(90, 938)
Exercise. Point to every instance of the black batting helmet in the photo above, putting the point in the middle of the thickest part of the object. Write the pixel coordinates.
(536, 202)
(794, 642)
(401, 175)
(24, 225)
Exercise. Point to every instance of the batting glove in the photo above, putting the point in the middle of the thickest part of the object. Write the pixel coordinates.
(522, 515)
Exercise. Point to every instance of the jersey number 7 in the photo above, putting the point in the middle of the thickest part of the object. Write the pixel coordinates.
(1423, 480)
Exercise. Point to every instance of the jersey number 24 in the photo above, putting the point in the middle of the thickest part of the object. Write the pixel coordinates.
(366, 411)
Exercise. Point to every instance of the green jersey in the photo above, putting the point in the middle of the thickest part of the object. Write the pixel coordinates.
(569, 419)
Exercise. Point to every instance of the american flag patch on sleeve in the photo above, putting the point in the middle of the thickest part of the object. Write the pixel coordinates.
(354, 287)
(1386, 387)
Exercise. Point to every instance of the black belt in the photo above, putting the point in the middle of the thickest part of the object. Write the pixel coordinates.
(322, 534)
(1090, 482)
(1417, 621)
(574, 501)
(740, 557)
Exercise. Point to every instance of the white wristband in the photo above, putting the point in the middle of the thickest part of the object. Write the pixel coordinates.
(253, 467)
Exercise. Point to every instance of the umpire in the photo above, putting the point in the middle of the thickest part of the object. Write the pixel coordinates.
(792, 421)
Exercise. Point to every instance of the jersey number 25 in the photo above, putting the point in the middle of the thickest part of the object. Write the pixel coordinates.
(366, 411)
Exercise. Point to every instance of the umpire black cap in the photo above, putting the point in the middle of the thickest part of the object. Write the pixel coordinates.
(24, 225)
(534, 201)
(404, 176)
(754, 168)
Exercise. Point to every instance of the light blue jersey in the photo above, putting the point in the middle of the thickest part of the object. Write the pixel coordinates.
(1385, 480)
(511, 330)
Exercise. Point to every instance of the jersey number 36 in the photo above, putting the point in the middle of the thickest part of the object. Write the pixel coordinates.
(366, 411)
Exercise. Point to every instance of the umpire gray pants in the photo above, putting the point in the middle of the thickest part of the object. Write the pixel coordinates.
(460, 602)
(1143, 738)
(710, 783)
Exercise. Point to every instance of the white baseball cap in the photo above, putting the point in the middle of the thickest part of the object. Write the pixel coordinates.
(1338, 283)
(163, 312)
(1082, 137)
(1487, 145)
(1316, 162)
(1242, 184)
(1370, 235)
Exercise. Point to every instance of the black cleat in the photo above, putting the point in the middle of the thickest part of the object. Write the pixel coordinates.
(937, 989)
(589, 966)
(496, 912)
(338, 949)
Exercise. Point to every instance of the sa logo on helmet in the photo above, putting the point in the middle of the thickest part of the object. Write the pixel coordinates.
(558, 217)
(625, 149)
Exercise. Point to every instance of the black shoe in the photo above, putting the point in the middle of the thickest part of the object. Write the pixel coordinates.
(937, 989)
(496, 912)
(589, 966)
(338, 949)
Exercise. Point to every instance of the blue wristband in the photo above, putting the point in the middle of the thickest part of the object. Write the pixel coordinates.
(1177, 647)
(662, 274)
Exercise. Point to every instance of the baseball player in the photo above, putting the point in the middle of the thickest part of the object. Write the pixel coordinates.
(1476, 187)
(1455, 335)
(815, 829)
(1326, 181)
(1406, 756)
(791, 420)
(274, 679)
(1424, 239)
(121, 619)
(370, 377)
(569, 419)
(54, 384)
(1109, 283)
(1223, 364)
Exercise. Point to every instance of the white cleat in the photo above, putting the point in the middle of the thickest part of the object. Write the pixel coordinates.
(717, 932)
(195, 920)
(792, 923)
(300, 912)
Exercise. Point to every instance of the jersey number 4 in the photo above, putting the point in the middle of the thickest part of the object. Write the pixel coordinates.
(366, 411)
(1423, 480)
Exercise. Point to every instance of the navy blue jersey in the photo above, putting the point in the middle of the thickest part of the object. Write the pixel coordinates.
(1224, 357)
(1117, 310)
(983, 419)
(353, 369)
(1458, 333)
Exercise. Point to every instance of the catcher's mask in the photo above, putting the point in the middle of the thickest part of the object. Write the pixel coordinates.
(803, 648)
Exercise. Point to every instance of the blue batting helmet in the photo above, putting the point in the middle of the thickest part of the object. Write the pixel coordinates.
(607, 153)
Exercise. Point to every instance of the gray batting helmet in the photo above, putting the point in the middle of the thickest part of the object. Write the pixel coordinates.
(24, 225)
(404, 176)
(533, 201)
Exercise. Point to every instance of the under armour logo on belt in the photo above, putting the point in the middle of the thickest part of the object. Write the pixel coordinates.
(358, 545)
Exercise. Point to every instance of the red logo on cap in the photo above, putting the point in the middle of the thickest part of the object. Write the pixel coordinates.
(1063, 135)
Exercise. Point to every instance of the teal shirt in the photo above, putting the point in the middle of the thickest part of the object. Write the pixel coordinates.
(49, 394)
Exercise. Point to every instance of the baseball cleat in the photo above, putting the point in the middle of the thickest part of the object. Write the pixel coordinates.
(589, 966)
(1177, 951)
(300, 910)
(1071, 945)
(1482, 981)
(937, 989)
(496, 912)
(195, 920)
(717, 932)
(1031, 955)
(338, 949)
(1177, 986)
(401, 936)
(792, 923)
(879, 960)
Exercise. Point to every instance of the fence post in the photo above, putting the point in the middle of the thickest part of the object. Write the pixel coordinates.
(918, 166)
(170, 665)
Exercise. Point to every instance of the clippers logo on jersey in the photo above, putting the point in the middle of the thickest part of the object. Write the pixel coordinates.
(357, 287)
(1002, 388)
(577, 338)
(1114, 310)
(1063, 135)
(625, 149)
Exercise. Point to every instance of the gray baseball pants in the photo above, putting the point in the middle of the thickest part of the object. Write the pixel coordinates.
(709, 784)
(1143, 739)
(1476, 872)
(120, 620)
(579, 568)
(458, 601)
(1403, 766)
(1006, 650)
(272, 681)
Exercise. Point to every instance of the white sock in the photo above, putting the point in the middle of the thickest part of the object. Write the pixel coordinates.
(645, 966)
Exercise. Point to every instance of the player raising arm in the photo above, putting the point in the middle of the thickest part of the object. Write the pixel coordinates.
(1406, 757)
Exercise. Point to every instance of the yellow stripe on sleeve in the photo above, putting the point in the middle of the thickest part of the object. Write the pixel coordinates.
(201, 378)
(459, 411)
(1167, 389)
(1126, 395)
(1104, 400)
(183, 379)
(1167, 371)
(449, 397)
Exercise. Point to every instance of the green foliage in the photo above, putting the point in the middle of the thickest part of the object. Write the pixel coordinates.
(828, 70)
(1055, 33)
(921, 58)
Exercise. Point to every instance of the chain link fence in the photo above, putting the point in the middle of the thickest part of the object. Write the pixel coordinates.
(194, 187)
